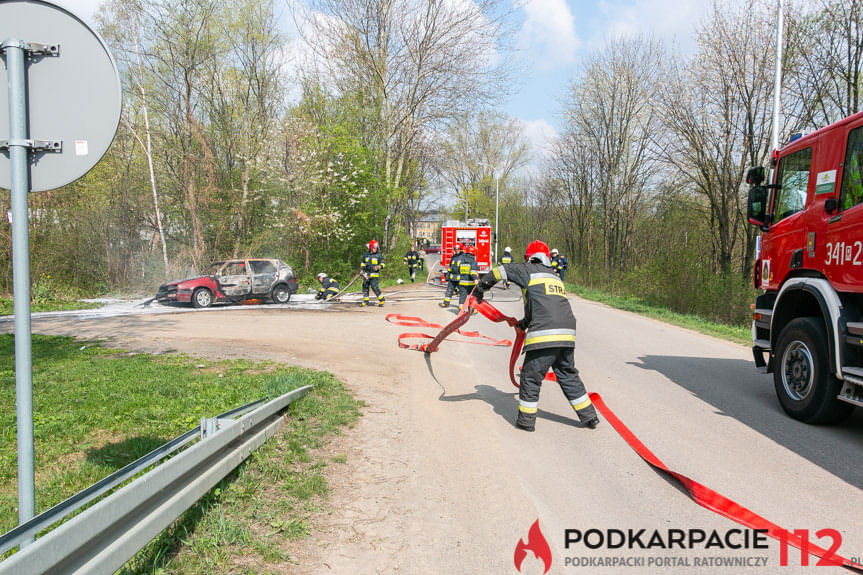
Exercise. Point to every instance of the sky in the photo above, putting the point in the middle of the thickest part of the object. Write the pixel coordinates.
(553, 37)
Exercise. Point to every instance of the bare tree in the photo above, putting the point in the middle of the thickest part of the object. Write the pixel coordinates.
(716, 110)
(826, 61)
(183, 45)
(477, 150)
(418, 64)
(572, 187)
(610, 108)
(122, 21)
(245, 99)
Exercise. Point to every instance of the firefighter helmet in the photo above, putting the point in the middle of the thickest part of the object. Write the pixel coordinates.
(373, 245)
(507, 249)
(471, 250)
(537, 250)
(321, 276)
(554, 252)
(458, 247)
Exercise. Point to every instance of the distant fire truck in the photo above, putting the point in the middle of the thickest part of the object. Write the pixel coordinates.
(475, 233)
(809, 320)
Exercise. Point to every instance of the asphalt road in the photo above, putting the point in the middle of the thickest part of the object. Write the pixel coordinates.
(438, 479)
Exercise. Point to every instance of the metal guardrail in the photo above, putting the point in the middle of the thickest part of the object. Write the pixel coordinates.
(27, 531)
(102, 538)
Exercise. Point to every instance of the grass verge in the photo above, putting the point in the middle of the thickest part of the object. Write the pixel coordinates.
(737, 334)
(7, 307)
(97, 409)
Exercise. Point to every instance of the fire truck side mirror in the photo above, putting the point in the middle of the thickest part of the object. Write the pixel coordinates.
(831, 205)
(757, 206)
(755, 176)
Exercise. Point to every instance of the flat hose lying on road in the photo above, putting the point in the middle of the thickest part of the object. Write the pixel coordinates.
(700, 493)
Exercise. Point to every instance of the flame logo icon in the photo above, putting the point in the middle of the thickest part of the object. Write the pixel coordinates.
(535, 542)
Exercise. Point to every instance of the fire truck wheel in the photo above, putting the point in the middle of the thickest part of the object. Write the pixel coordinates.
(805, 386)
(202, 298)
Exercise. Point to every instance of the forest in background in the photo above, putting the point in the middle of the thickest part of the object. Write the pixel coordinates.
(238, 139)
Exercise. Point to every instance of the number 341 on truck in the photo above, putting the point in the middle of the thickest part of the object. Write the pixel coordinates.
(807, 327)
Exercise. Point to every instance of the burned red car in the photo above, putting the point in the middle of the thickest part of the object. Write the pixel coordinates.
(233, 281)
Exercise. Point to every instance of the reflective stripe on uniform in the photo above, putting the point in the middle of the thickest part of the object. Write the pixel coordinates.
(500, 273)
(580, 402)
(545, 335)
(540, 276)
(527, 406)
(547, 338)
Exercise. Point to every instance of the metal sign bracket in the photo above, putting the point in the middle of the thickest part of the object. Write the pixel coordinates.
(34, 145)
(32, 48)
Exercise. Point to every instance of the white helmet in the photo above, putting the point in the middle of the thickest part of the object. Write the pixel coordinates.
(321, 276)
(507, 249)
(554, 252)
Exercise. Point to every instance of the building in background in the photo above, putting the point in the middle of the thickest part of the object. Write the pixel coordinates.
(428, 227)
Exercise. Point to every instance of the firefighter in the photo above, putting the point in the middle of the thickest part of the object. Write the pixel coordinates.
(559, 263)
(370, 267)
(468, 274)
(412, 260)
(452, 274)
(329, 287)
(550, 339)
(506, 258)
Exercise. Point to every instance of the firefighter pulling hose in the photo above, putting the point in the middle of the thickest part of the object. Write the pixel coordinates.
(550, 334)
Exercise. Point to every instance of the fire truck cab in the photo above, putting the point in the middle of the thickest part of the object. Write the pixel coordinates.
(807, 327)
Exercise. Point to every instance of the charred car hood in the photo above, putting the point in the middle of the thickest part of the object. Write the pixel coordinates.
(177, 282)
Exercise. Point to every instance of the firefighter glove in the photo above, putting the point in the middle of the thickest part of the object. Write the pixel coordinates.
(522, 324)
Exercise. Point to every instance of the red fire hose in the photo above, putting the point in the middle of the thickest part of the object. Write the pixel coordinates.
(701, 494)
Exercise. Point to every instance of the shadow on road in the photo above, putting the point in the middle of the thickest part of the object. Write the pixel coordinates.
(749, 398)
(504, 404)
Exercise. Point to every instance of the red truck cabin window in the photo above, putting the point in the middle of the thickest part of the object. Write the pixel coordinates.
(852, 186)
(793, 177)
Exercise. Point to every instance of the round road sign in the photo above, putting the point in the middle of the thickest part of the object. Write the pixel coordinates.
(73, 92)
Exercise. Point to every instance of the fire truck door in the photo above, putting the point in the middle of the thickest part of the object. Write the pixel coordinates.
(842, 252)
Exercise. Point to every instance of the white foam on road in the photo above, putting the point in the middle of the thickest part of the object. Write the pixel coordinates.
(117, 307)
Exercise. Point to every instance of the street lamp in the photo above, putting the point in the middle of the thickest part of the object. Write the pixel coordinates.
(496, 204)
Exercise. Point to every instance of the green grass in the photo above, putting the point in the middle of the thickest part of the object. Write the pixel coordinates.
(7, 306)
(97, 409)
(737, 334)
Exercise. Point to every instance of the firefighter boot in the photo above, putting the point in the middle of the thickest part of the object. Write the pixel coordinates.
(526, 421)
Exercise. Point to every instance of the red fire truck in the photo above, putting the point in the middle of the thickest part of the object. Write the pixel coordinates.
(807, 325)
(478, 235)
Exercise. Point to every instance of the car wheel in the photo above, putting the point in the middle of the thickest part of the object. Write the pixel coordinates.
(201, 298)
(281, 294)
(805, 386)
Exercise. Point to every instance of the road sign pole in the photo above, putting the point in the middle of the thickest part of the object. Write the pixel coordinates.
(18, 156)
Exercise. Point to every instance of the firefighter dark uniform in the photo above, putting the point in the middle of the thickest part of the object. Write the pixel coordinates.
(329, 287)
(412, 260)
(468, 273)
(550, 339)
(506, 258)
(452, 275)
(559, 264)
(370, 267)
